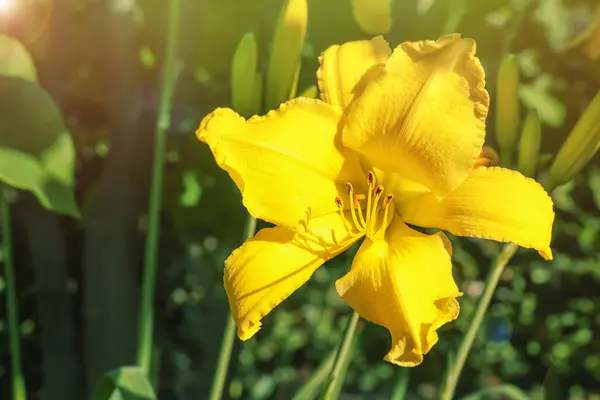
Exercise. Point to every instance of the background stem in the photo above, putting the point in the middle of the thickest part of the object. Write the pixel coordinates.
(216, 391)
(12, 312)
(508, 251)
(341, 360)
(146, 321)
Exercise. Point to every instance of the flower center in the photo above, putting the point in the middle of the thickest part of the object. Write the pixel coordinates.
(366, 222)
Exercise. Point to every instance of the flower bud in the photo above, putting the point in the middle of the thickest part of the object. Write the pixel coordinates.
(310, 92)
(529, 146)
(507, 106)
(488, 157)
(259, 84)
(294, 87)
(243, 76)
(581, 145)
(286, 52)
(373, 16)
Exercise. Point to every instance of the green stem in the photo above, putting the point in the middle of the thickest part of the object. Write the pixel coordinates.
(146, 321)
(341, 360)
(228, 341)
(508, 251)
(12, 311)
(310, 387)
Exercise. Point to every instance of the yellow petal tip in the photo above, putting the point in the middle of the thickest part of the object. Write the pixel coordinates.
(212, 121)
(247, 332)
(546, 254)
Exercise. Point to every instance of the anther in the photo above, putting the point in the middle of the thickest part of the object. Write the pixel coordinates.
(371, 178)
(350, 188)
(378, 190)
(387, 200)
(339, 202)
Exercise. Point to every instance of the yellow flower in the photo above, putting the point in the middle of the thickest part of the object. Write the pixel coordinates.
(392, 143)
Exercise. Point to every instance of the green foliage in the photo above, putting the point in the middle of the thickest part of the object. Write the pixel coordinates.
(126, 383)
(15, 59)
(36, 150)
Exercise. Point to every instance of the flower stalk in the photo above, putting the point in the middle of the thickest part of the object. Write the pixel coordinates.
(146, 316)
(508, 251)
(216, 391)
(12, 312)
(342, 360)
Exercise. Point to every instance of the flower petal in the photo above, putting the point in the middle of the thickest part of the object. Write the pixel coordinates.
(493, 203)
(346, 69)
(405, 284)
(287, 164)
(268, 268)
(424, 117)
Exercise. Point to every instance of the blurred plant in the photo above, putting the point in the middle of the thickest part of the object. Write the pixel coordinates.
(529, 146)
(589, 39)
(245, 79)
(163, 121)
(36, 154)
(581, 145)
(373, 16)
(507, 108)
(284, 62)
(19, 392)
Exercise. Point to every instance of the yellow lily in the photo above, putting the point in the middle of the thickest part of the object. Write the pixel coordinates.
(392, 142)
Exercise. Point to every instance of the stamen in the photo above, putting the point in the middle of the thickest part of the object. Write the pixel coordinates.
(340, 205)
(359, 198)
(350, 188)
(388, 198)
(366, 221)
(386, 206)
(352, 212)
(372, 212)
(370, 179)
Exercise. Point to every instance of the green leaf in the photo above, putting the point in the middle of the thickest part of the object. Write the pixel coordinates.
(36, 150)
(549, 109)
(15, 59)
(125, 383)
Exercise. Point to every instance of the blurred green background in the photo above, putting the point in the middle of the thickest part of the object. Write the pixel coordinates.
(78, 280)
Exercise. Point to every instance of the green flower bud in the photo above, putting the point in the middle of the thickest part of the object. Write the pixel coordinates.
(507, 106)
(286, 52)
(581, 145)
(373, 16)
(310, 92)
(259, 84)
(294, 87)
(529, 146)
(243, 77)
